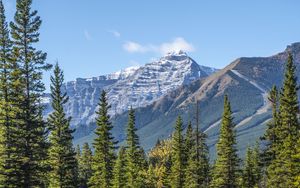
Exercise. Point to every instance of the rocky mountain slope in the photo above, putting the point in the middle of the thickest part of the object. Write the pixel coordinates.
(246, 81)
(135, 86)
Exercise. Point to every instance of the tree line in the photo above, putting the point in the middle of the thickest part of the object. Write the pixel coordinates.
(38, 152)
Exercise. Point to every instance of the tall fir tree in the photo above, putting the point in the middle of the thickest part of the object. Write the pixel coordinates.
(282, 170)
(226, 168)
(189, 140)
(104, 144)
(197, 167)
(85, 165)
(62, 155)
(297, 161)
(135, 164)
(31, 64)
(120, 178)
(9, 173)
(272, 127)
(251, 170)
(177, 168)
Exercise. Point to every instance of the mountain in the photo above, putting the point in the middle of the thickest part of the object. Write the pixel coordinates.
(134, 86)
(246, 81)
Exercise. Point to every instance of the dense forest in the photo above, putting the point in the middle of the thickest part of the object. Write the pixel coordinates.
(39, 152)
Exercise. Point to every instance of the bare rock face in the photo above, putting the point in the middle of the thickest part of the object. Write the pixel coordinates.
(134, 86)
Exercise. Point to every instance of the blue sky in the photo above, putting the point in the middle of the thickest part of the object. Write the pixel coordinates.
(94, 37)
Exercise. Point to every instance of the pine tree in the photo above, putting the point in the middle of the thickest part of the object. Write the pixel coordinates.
(225, 172)
(104, 144)
(62, 156)
(251, 170)
(297, 161)
(197, 170)
(281, 172)
(31, 64)
(120, 178)
(270, 136)
(134, 154)
(9, 175)
(192, 165)
(189, 142)
(177, 169)
(85, 165)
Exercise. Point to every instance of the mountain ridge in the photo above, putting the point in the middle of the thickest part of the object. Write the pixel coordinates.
(245, 80)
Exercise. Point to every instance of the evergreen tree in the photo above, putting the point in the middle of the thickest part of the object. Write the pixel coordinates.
(6, 127)
(31, 64)
(62, 156)
(104, 144)
(272, 127)
(120, 178)
(297, 161)
(152, 179)
(192, 166)
(197, 170)
(283, 168)
(9, 161)
(189, 142)
(177, 169)
(270, 138)
(251, 170)
(85, 165)
(134, 154)
(225, 172)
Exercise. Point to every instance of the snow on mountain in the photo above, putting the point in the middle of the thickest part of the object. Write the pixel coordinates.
(134, 86)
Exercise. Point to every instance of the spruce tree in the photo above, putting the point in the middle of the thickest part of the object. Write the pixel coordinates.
(85, 165)
(135, 166)
(104, 144)
(272, 127)
(197, 167)
(120, 178)
(6, 141)
(297, 161)
(177, 168)
(62, 156)
(31, 64)
(9, 174)
(225, 172)
(189, 142)
(251, 169)
(283, 168)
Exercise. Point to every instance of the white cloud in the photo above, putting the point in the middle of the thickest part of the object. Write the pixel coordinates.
(177, 44)
(133, 47)
(115, 33)
(87, 35)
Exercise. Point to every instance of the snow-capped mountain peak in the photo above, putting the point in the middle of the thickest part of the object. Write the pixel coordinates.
(133, 86)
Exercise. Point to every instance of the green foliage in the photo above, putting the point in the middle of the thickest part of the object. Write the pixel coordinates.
(282, 170)
(135, 159)
(197, 167)
(85, 165)
(120, 178)
(177, 169)
(160, 160)
(30, 64)
(226, 169)
(252, 171)
(9, 152)
(270, 135)
(62, 157)
(104, 144)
